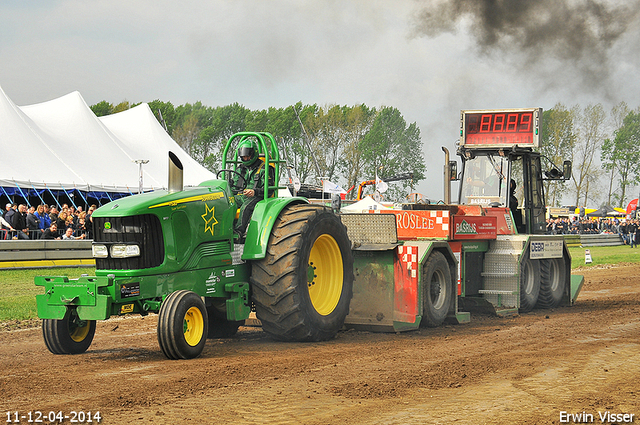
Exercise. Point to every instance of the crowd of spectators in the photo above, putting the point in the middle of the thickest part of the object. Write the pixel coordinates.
(628, 229)
(18, 221)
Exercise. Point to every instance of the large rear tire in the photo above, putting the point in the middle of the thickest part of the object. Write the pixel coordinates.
(182, 325)
(438, 290)
(552, 285)
(69, 335)
(219, 326)
(302, 288)
(529, 283)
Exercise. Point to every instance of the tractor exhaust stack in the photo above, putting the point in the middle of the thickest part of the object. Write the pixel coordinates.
(175, 174)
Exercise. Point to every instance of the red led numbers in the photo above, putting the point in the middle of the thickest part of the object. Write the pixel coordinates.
(485, 124)
(525, 122)
(499, 128)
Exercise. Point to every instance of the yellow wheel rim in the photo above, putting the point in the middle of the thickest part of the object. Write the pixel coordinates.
(193, 326)
(324, 275)
(78, 333)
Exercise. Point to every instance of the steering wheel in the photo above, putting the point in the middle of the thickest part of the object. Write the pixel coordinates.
(236, 186)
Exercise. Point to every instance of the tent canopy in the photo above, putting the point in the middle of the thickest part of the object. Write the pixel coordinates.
(67, 148)
(605, 211)
(364, 205)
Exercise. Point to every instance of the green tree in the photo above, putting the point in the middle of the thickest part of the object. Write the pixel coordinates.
(558, 140)
(359, 121)
(187, 132)
(209, 142)
(623, 153)
(591, 135)
(331, 134)
(164, 113)
(302, 153)
(189, 121)
(391, 147)
(102, 108)
(346, 144)
(122, 106)
(283, 124)
(607, 157)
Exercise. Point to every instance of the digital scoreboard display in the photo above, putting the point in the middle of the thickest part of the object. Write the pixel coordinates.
(500, 128)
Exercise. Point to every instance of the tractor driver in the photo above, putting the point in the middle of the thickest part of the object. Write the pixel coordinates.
(513, 206)
(252, 170)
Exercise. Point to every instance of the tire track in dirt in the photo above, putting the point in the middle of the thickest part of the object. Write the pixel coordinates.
(523, 369)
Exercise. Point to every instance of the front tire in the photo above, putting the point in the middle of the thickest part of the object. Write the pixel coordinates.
(182, 325)
(302, 288)
(69, 335)
(552, 285)
(438, 290)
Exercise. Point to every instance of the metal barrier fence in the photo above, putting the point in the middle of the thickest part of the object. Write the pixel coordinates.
(7, 235)
(45, 253)
(594, 240)
(73, 253)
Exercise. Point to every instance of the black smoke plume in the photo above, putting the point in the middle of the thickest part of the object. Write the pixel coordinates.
(575, 35)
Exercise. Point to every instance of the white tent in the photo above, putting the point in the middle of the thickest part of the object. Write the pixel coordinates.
(60, 145)
(29, 155)
(365, 205)
(144, 138)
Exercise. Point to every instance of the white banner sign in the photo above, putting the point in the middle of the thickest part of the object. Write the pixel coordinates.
(546, 249)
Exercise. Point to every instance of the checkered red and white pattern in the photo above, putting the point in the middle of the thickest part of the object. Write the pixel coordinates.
(409, 257)
(442, 219)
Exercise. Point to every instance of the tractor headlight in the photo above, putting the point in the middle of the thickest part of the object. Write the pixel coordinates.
(99, 251)
(125, 251)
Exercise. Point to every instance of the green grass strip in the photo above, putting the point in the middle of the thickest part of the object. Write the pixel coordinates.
(18, 292)
(604, 255)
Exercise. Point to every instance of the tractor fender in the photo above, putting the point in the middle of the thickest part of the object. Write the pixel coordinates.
(264, 216)
(446, 250)
(426, 249)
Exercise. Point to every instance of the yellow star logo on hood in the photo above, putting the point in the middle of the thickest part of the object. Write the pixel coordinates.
(209, 220)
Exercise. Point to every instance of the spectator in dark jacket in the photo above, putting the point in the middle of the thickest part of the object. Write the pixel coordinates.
(53, 215)
(33, 223)
(632, 228)
(8, 215)
(19, 222)
(51, 232)
(61, 221)
(623, 232)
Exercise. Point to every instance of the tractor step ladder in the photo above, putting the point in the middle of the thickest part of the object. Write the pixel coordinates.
(501, 274)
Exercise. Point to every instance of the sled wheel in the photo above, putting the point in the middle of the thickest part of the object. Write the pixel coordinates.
(220, 327)
(182, 325)
(529, 283)
(438, 290)
(552, 283)
(302, 288)
(69, 335)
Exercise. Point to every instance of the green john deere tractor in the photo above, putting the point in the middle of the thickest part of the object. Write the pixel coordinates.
(174, 252)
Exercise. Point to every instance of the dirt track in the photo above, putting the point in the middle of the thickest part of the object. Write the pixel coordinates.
(526, 369)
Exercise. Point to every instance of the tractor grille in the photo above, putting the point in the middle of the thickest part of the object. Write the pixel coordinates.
(143, 230)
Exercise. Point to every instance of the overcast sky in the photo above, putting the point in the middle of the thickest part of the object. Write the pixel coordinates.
(428, 59)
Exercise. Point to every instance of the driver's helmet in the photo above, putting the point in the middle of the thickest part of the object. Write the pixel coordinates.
(248, 148)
